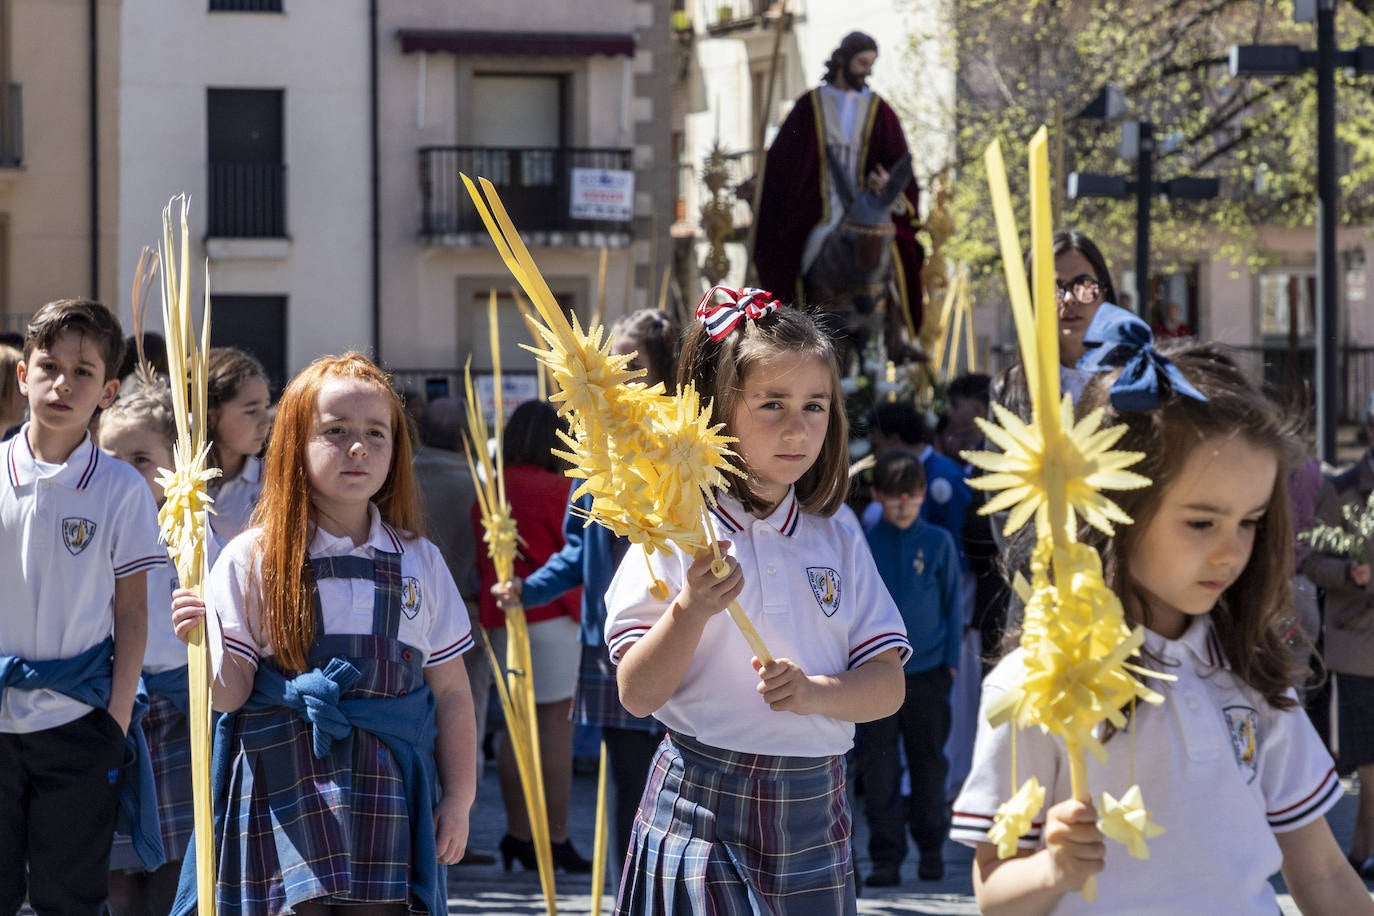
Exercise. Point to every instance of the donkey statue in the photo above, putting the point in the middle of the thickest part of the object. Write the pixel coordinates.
(852, 273)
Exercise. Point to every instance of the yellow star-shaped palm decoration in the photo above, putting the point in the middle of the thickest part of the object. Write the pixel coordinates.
(1127, 821)
(1015, 816)
(650, 462)
(1075, 648)
(1084, 456)
(584, 369)
(181, 517)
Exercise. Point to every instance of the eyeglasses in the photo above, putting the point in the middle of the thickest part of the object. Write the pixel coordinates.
(1084, 288)
(897, 500)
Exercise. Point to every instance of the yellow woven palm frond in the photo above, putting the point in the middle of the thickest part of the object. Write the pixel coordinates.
(1075, 643)
(1089, 465)
(1015, 816)
(1127, 821)
(182, 517)
(649, 460)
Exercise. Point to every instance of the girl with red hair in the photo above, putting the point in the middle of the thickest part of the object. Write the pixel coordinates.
(344, 770)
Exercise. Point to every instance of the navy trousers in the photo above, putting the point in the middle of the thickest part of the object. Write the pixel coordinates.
(921, 726)
(59, 792)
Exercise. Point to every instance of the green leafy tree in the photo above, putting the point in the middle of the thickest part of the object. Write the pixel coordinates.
(1037, 62)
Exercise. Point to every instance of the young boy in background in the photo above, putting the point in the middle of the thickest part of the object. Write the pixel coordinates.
(78, 533)
(920, 566)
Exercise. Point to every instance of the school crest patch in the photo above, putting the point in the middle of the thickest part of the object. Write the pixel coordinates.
(77, 534)
(1243, 723)
(825, 585)
(411, 598)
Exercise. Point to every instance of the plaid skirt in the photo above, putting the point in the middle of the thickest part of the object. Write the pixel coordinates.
(596, 700)
(169, 748)
(334, 829)
(723, 833)
(1355, 719)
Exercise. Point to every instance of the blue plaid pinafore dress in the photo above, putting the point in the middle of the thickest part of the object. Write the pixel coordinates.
(168, 729)
(300, 827)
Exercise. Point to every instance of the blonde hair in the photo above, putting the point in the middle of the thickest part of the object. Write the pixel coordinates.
(147, 404)
(285, 584)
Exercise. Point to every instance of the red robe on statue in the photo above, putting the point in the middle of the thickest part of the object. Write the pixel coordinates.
(796, 197)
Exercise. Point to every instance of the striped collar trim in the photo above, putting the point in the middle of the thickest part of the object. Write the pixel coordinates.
(77, 471)
(732, 518)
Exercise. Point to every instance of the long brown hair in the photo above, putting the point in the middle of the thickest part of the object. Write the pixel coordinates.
(286, 585)
(718, 369)
(1247, 615)
(656, 335)
(226, 369)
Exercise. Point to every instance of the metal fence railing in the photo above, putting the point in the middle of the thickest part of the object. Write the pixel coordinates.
(535, 185)
(245, 6)
(1290, 374)
(246, 200)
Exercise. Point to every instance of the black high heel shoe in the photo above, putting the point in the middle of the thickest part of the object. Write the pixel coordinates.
(567, 858)
(523, 850)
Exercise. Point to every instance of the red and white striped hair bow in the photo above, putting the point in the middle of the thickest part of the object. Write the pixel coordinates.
(722, 308)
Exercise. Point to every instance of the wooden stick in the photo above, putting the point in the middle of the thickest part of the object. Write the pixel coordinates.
(600, 844)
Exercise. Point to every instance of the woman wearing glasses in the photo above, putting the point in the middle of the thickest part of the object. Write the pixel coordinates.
(1083, 283)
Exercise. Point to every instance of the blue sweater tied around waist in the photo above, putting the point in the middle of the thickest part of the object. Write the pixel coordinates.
(405, 724)
(88, 678)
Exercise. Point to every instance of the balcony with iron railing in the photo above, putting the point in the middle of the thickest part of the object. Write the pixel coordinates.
(246, 200)
(245, 6)
(727, 17)
(535, 184)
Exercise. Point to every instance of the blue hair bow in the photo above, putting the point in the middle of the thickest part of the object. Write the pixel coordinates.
(1117, 338)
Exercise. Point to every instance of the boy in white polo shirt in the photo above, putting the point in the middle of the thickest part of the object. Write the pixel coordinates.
(78, 532)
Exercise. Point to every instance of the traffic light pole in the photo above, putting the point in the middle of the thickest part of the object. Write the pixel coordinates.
(1145, 189)
(1328, 298)
(1286, 60)
(1144, 194)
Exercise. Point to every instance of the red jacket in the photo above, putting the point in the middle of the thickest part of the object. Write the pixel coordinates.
(538, 502)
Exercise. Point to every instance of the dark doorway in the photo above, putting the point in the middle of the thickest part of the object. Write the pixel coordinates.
(255, 324)
(246, 171)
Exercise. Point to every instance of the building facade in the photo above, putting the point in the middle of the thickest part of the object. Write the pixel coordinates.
(322, 146)
(564, 109)
(59, 150)
(259, 111)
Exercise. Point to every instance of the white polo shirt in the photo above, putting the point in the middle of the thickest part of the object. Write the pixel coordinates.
(1220, 769)
(813, 593)
(64, 540)
(434, 619)
(235, 500)
(164, 651)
